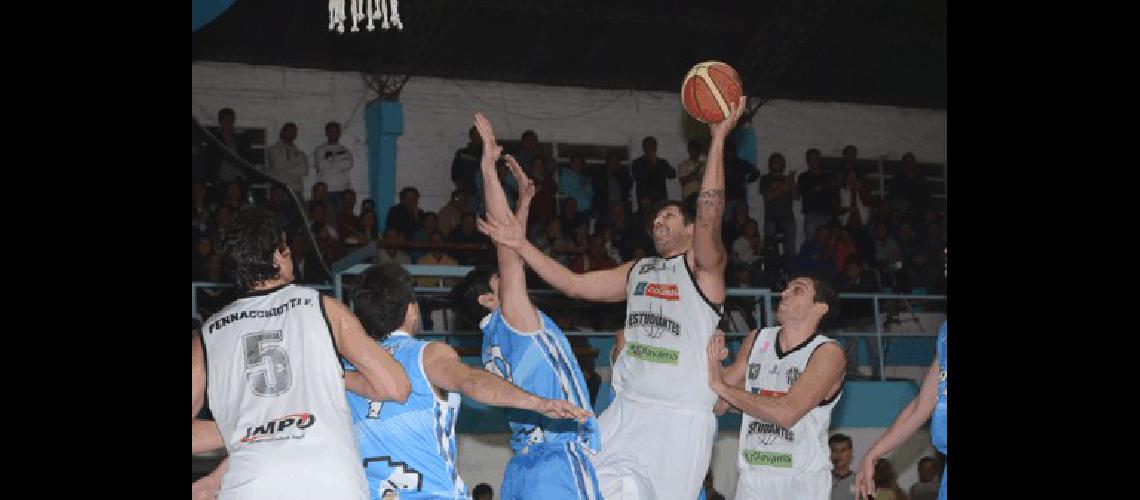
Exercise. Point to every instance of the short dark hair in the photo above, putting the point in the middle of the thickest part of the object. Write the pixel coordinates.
(409, 189)
(824, 293)
(465, 294)
(249, 246)
(776, 156)
(840, 438)
(908, 154)
(811, 152)
(926, 459)
(382, 299)
(224, 112)
(530, 134)
(649, 140)
(331, 124)
(688, 216)
(482, 489)
(851, 147)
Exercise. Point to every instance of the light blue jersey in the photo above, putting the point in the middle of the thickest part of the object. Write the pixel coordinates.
(938, 426)
(408, 448)
(550, 458)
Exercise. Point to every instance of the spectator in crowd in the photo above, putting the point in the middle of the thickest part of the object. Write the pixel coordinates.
(820, 193)
(816, 257)
(468, 234)
(347, 224)
(332, 164)
(367, 205)
(508, 181)
(200, 259)
(388, 251)
(235, 195)
(202, 208)
(748, 246)
(857, 315)
(319, 192)
(650, 172)
(573, 183)
(319, 212)
(482, 491)
(284, 211)
(555, 244)
(926, 265)
(465, 167)
(306, 267)
(327, 243)
(690, 172)
(405, 216)
(450, 214)
(644, 212)
(738, 173)
(886, 482)
(369, 229)
(212, 299)
(220, 166)
(779, 190)
(886, 249)
(429, 223)
(842, 477)
(528, 149)
(612, 185)
(436, 257)
(841, 247)
(854, 209)
(595, 257)
(222, 218)
(880, 212)
(910, 190)
(850, 163)
(621, 229)
(611, 248)
(735, 226)
(570, 217)
(543, 207)
(926, 488)
(286, 161)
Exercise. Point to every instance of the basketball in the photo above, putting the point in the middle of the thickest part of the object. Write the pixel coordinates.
(708, 90)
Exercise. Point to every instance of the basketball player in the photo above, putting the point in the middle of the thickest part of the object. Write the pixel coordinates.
(931, 400)
(409, 448)
(274, 378)
(659, 430)
(524, 346)
(786, 380)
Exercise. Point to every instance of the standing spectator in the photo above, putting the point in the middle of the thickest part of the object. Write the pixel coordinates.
(854, 210)
(286, 161)
(850, 163)
(738, 173)
(450, 214)
(690, 171)
(543, 207)
(886, 482)
(388, 251)
(650, 172)
(842, 477)
(926, 488)
(594, 258)
(465, 166)
(530, 148)
(220, 166)
(573, 183)
(910, 190)
(467, 234)
(332, 163)
(482, 491)
(436, 257)
(405, 216)
(780, 193)
(820, 192)
(612, 185)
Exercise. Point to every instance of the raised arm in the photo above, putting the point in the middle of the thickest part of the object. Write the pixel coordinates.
(821, 377)
(385, 377)
(708, 250)
(513, 299)
(446, 371)
(603, 286)
(909, 420)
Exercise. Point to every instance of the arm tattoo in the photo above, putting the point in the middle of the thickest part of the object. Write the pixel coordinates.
(712, 198)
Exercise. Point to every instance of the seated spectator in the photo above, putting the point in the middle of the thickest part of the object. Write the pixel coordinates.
(222, 218)
(854, 211)
(482, 491)
(611, 248)
(910, 190)
(470, 235)
(612, 185)
(369, 228)
(886, 248)
(926, 488)
(543, 207)
(816, 257)
(621, 229)
(428, 224)
(306, 267)
(450, 214)
(319, 192)
(857, 315)
(390, 254)
(202, 208)
(436, 257)
(555, 244)
(886, 482)
(200, 260)
(569, 217)
(347, 224)
(734, 226)
(748, 246)
(368, 206)
(327, 243)
(235, 195)
(509, 183)
(595, 257)
(926, 265)
(573, 183)
(644, 213)
(319, 212)
(212, 299)
(284, 211)
(841, 246)
(405, 216)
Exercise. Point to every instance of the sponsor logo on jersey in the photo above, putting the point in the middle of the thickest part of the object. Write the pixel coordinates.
(261, 313)
(753, 371)
(496, 363)
(399, 477)
(793, 375)
(657, 290)
(287, 427)
(767, 458)
(654, 324)
(653, 354)
(764, 346)
(767, 432)
(656, 265)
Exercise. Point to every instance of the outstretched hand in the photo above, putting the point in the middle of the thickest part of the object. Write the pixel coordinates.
(723, 128)
(560, 408)
(716, 353)
(526, 184)
(491, 149)
(864, 479)
(507, 232)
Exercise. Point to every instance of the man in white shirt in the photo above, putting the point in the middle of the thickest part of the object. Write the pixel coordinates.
(332, 163)
(286, 161)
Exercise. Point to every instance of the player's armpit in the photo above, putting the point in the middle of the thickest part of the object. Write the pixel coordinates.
(385, 376)
(205, 436)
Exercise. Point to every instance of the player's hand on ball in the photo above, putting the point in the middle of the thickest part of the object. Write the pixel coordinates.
(864, 478)
(723, 128)
(508, 233)
(560, 408)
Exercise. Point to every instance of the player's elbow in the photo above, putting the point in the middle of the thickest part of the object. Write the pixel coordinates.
(401, 391)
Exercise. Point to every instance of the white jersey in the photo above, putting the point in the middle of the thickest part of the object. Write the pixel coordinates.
(276, 389)
(768, 450)
(668, 323)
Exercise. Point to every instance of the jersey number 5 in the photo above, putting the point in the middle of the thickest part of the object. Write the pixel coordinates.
(266, 363)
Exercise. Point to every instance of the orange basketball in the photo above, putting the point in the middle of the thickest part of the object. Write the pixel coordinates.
(710, 90)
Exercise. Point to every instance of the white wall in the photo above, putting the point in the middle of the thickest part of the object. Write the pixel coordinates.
(437, 114)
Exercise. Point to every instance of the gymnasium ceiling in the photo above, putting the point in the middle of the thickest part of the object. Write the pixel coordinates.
(865, 51)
